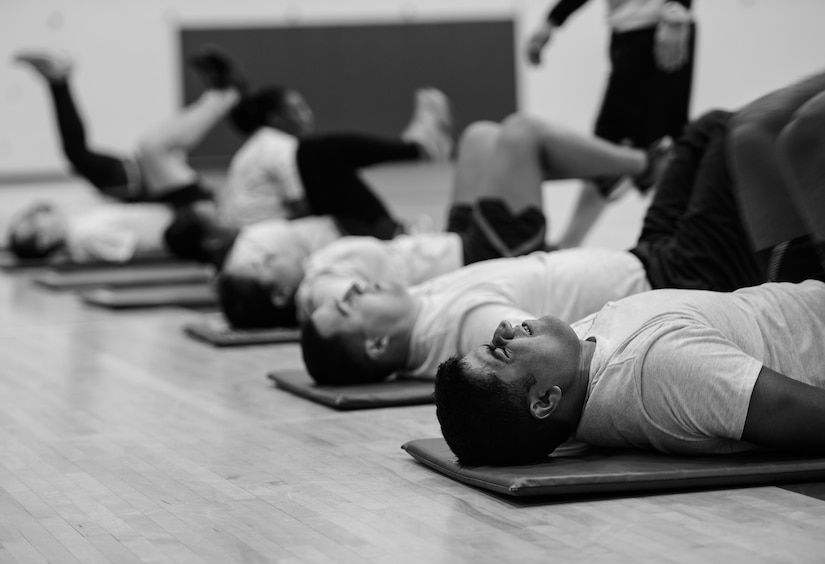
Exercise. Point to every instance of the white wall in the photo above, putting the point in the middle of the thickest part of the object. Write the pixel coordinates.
(127, 70)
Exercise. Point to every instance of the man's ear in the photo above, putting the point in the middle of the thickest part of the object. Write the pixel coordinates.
(543, 400)
(280, 297)
(377, 346)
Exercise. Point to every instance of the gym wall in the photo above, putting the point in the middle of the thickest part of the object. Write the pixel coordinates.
(362, 77)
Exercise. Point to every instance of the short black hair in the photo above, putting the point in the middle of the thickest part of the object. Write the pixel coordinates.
(252, 111)
(189, 238)
(247, 303)
(487, 421)
(28, 248)
(332, 361)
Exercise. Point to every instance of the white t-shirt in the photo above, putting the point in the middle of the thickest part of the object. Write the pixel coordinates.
(406, 260)
(674, 370)
(626, 15)
(262, 177)
(461, 310)
(117, 233)
(301, 237)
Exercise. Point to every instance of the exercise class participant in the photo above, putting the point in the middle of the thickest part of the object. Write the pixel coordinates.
(157, 173)
(493, 160)
(693, 236)
(376, 329)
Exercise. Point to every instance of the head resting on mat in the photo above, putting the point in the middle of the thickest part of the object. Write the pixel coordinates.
(38, 232)
(362, 337)
(273, 106)
(517, 398)
(260, 276)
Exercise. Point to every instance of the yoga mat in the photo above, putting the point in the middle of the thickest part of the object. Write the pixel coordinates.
(391, 393)
(9, 262)
(125, 276)
(603, 471)
(188, 295)
(215, 330)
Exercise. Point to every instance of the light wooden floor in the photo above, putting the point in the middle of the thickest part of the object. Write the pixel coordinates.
(123, 441)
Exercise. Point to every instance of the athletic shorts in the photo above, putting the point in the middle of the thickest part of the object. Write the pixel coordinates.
(489, 230)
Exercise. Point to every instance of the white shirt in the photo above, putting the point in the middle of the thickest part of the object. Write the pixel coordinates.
(262, 177)
(300, 237)
(627, 15)
(117, 233)
(405, 260)
(674, 370)
(461, 310)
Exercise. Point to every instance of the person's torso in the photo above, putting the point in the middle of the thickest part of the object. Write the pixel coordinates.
(568, 284)
(405, 260)
(262, 177)
(631, 406)
(117, 232)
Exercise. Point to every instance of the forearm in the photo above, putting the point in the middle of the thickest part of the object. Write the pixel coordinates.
(784, 413)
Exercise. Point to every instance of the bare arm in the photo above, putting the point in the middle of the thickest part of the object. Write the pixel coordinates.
(785, 413)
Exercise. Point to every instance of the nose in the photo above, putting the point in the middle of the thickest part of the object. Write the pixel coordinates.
(504, 332)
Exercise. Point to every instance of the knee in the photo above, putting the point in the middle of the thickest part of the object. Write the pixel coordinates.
(477, 133)
(804, 135)
(749, 138)
(150, 148)
(519, 131)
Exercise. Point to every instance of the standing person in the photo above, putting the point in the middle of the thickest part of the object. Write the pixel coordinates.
(649, 88)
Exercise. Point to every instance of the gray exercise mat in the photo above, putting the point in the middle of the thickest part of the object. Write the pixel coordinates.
(583, 471)
(183, 295)
(214, 330)
(125, 276)
(10, 263)
(393, 393)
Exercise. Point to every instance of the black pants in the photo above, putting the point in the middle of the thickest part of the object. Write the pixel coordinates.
(329, 165)
(113, 175)
(642, 102)
(693, 234)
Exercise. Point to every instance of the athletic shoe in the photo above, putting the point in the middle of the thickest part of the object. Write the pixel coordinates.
(431, 126)
(658, 155)
(216, 69)
(52, 66)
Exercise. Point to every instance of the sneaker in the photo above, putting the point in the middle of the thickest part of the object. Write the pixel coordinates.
(431, 126)
(216, 68)
(658, 155)
(51, 66)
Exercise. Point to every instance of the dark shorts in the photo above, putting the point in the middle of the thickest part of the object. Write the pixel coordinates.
(489, 230)
(643, 103)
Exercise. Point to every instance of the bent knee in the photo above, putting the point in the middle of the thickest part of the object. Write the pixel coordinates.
(803, 138)
(522, 131)
(479, 131)
(151, 148)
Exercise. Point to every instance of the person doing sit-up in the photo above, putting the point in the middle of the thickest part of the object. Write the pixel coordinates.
(142, 189)
(678, 371)
(692, 238)
(379, 327)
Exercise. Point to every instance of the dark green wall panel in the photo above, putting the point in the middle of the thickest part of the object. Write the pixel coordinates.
(361, 77)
